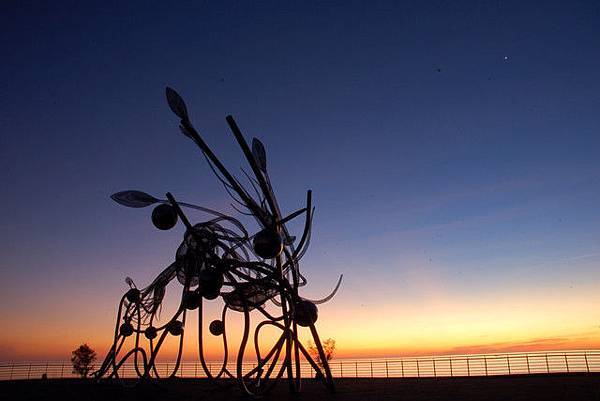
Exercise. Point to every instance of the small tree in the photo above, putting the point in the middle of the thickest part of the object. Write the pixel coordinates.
(83, 360)
(328, 350)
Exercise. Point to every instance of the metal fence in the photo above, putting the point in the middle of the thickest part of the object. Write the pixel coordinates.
(432, 366)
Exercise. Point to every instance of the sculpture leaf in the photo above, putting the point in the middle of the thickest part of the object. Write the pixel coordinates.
(176, 103)
(258, 151)
(134, 198)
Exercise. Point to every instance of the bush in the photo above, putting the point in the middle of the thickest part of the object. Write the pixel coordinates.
(328, 350)
(83, 360)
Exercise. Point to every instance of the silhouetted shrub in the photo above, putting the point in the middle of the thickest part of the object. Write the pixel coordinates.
(83, 360)
(328, 350)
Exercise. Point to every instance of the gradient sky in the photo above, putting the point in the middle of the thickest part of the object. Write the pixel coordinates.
(453, 149)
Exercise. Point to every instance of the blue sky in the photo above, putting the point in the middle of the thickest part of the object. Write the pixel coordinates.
(456, 141)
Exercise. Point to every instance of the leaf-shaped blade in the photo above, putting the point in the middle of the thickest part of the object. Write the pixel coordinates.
(176, 103)
(134, 198)
(258, 151)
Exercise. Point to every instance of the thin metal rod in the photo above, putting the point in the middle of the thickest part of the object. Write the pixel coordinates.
(179, 212)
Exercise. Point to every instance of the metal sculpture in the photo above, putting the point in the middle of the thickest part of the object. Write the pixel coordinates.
(218, 257)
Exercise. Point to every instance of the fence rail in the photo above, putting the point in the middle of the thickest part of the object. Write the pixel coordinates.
(434, 366)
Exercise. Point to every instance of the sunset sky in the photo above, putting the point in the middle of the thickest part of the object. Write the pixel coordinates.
(453, 150)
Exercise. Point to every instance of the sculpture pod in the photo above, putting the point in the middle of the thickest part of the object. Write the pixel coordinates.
(216, 327)
(211, 282)
(164, 217)
(150, 332)
(268, 244)
(191, 300)
(126, 329)
(175, 327)
(207, 240)
(306, 313)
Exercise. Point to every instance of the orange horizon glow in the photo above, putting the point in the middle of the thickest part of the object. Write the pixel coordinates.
(440, 326)
(58, 352)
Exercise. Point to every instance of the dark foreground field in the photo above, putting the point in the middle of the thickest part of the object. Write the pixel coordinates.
(527, 388)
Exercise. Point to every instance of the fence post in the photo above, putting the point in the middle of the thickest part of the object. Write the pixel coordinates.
(62, 370)
(527, 358)
(28, 371)
(210, 368)
(567, 363)
(167, 372)
(508, 363)
(587, 366)
(468, 368)
(418, 372)
(341, 370)
(371, 369)
(402, 365)
(434, 372)
(196, 370)
(355, 369)
(547, 365)
(12, 367)
(485, 364)
(387, 375)
(451, 373)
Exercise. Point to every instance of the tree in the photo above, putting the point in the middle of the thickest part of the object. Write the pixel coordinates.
(83, 360)
(328, 350)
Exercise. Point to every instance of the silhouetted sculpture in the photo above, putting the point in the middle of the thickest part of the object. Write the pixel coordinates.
(218, 257)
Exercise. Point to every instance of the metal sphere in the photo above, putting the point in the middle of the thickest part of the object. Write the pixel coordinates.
(268, 244)
(212, 294)
(216, 327)
(175, 327)
(306, 313)
(126, 329)
(191, 300)
(164, 217)
(211, 282)
(150, 333)
(133, 295)
(207, 239)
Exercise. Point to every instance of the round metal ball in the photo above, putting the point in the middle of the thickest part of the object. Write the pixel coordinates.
(216, 327)
(164, 217)
(133, 295)
(175, 327)
(191, 300)
(306, 313)
(268, 244)
(211, 282)
(126, 329)
(150, 333)
(210, 295)
(206, 238)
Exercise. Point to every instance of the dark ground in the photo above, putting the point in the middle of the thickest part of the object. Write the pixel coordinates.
(568, 387)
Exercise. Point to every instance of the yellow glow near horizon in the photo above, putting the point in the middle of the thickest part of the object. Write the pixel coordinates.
(514, 322)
